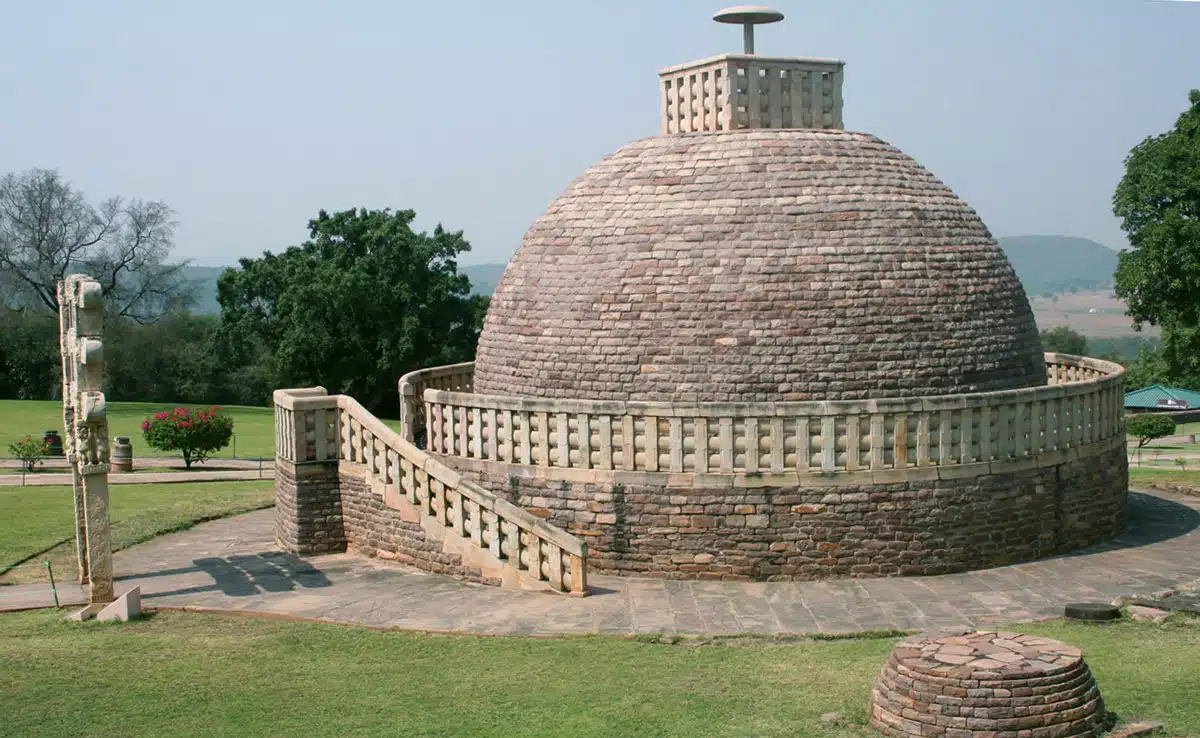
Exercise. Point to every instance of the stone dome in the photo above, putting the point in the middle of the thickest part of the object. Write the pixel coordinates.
(757, 265)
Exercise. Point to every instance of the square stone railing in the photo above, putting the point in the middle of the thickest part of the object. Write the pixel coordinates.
(1079, 411)
(736, 91)
(312, 428)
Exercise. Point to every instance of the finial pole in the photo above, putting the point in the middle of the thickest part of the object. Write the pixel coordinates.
(748, 16)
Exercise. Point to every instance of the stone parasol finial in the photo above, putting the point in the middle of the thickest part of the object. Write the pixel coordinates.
(748, 16)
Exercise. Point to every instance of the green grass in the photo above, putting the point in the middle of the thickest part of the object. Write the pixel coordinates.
(1185, 429)
(205, 675)
(1144, 477)
(254, 427)
(34, 519)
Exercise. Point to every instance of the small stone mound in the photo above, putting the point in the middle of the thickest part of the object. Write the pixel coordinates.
(986, 684)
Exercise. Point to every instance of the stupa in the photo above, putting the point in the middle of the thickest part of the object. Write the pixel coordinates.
(760, 346)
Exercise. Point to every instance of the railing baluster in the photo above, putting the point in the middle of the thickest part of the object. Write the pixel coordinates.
(923, 439)
(606, 446)
(853, 443)
(829, 443)
(526, 448)
(751, 433)
(878, 442)
(900, 441)
(700, 429)
(726, 445)
(493, 429)
(777, 444)
(564, 446)
(651, 434)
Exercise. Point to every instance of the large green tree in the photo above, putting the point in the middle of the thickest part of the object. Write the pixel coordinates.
(1064, 340)
(1158, 202)
(363, 301)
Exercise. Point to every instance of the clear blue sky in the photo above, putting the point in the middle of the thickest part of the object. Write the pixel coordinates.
(248, 117)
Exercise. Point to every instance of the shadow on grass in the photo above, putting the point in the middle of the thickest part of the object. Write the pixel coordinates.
(245, 575)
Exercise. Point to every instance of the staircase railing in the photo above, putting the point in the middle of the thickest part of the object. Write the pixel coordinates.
(314, 427)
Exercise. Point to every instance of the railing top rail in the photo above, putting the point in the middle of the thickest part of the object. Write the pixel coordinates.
(1111, 373)
(823, 64)
(304, 398)
(411, 379)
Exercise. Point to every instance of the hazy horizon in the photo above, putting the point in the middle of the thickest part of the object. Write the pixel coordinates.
(249, 119)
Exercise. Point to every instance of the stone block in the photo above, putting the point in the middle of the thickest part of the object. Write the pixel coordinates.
(125, 607)
(87, 613)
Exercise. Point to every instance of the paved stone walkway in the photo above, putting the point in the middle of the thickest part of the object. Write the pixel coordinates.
(213, 470)
(232, 565)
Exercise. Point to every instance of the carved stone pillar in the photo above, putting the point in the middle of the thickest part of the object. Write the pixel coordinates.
(81, 320)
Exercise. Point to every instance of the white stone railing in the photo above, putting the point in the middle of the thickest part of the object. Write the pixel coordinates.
(735, 91)
(312, 427)
(453, 377)
(892, 439)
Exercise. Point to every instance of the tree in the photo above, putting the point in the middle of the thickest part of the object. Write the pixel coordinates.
(363, 301)
(1064, 340)
(30, 367)
(30, 451)
(1158, 202)
(1146, 427)
(48, 230)
(193, 433)
(1145, 370)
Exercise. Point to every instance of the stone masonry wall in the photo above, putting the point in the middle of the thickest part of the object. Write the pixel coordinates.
(752, 266)
(375, 529)
(816, 532)
(308, 511)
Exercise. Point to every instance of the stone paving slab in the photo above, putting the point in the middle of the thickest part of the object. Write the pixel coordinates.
(232, 564)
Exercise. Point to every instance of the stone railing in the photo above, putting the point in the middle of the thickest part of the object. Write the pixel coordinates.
(734, 91)
(453, 377)
(891, 439)
(312, 427)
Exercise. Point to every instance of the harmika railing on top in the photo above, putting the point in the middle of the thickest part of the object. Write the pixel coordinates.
(735, 91)
(311, 426)
(1082, 404)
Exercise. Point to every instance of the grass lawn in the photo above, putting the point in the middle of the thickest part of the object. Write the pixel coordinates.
(33, 519)
(205, 675)
(253, 427)
(1144, 477)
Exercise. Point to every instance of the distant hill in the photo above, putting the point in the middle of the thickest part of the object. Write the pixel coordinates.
(1046, 265)
(484, 278)
(206, 289)
(1049, 265)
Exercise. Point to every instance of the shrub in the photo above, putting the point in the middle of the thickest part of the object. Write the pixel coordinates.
(30, 451)
(1148, 426)
(195, 433)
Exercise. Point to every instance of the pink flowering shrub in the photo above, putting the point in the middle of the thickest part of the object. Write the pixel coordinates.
(195, 433)
(30, 451)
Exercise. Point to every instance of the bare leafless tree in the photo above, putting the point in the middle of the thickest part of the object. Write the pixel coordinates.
(48, 230)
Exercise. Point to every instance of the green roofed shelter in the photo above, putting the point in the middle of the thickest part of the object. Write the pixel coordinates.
(1162, 399)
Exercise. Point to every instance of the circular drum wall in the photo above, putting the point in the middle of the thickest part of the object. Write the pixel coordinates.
(741, 531)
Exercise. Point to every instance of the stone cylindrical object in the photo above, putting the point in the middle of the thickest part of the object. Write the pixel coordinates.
(122, 455)
(54, 441)
(986, 684)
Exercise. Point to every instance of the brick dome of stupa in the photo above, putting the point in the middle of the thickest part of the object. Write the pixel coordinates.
(756, 251)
